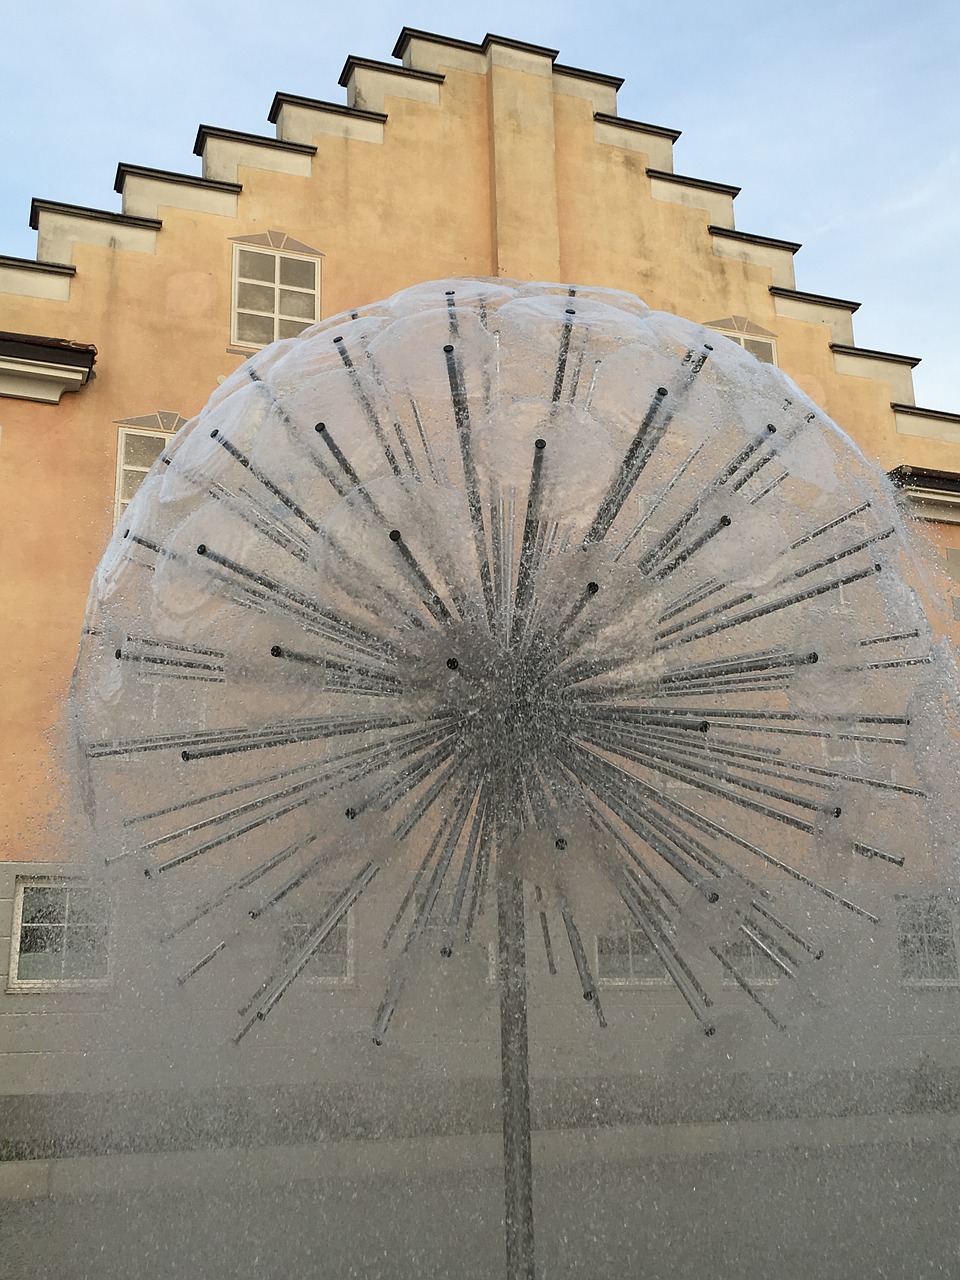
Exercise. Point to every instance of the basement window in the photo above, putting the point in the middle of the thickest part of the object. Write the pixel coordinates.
(927, 930)
(332, 964)
(626, 958)
(59, 940)
(751, 962)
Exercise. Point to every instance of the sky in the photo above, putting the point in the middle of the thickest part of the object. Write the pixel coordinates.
(840, 119)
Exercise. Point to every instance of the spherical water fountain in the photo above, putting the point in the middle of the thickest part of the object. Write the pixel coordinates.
(509, 607)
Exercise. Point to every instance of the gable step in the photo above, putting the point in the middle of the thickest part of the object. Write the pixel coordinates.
(223, 151)
(300, 119)
(651, 140)
(597, 77)
(863, 362)
(31, 264)
(144, 190)
(368, 82)
(28, 278)
(817, 308)
(750, 237)
(597, 89)
(760, 251)
(929, 424)
(59, 226)
(696, 193)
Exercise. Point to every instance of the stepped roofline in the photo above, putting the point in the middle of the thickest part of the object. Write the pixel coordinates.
(32, 264)
(39, 206)
(206, 131)
(870, 354)
(703, 184)
(638, 126)
(125, 171)
(469, 46)
(821, 299)
(281, 100)
(750, 237)
(354, 63)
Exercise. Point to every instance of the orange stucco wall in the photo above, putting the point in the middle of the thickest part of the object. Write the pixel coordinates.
(502, 174)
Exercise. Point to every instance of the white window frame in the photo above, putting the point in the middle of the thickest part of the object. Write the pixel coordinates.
(950, 907)
(275, 316)
(119, 506)
(635, 982)
(16, 984)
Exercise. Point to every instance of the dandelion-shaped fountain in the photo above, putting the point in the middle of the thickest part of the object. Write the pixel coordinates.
(515, 600)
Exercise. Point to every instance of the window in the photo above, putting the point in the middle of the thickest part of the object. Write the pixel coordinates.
(626, 958)
(59, 935)
(333, 962)
(759, 342)
(275, 295)
(927, 930)
(137, 451)
(751, 962)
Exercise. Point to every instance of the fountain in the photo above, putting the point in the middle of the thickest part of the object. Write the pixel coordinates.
(508, 651)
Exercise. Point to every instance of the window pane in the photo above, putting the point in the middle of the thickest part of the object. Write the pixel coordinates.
(257, 330)
(298, 271)
(928, 951)
(330, 958)
(41, 937)
(290, 328)
(142, 450)
(85, 952)
(40, 966)
(613, 958)
(646, 964)
(41, 952)
(44, 904)
(87, 907)
(257, 266)
(256, 297)
(297, 304)
(130, 482)
(760, 348)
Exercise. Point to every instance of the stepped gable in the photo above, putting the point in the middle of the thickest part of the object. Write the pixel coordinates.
(424, 63)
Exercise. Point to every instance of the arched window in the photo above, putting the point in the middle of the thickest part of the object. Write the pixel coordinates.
(759, 342)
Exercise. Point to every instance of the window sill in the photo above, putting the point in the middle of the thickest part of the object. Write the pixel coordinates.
(46, 986)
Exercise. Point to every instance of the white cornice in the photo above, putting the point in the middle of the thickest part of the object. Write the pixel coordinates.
(39, 380)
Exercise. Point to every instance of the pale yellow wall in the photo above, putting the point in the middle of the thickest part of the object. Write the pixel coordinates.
(495, 171)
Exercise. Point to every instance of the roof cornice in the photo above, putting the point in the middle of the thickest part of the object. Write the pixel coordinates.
(281, 100)
(125, 171)
(250, 139)
(703, 184)
(748, 237)
(821, 299)
(38, 206)
(370, 64)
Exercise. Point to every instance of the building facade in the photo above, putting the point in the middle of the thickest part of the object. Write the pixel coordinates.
(455, 159)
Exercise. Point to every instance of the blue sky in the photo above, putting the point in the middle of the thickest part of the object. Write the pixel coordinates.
(840, 121)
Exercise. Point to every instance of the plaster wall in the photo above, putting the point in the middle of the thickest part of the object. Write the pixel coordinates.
(498, 169)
